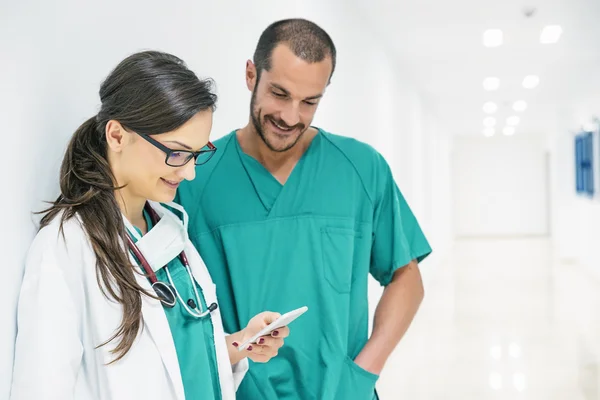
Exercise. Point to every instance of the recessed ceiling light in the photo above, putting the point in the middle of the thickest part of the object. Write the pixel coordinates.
(492, 38)
(490, 107)
(496, 381)
(531, 81)
(550, 34)
(520, 381)
(520, 106)
(491, 83)
(489, 122)
(489, 132)
(508, 130)
(513, 121)
(514, 350)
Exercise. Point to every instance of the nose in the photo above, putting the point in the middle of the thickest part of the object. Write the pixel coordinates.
(188, 171)
(291, 113)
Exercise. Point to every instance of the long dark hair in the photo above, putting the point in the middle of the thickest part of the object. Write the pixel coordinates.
(148, 92)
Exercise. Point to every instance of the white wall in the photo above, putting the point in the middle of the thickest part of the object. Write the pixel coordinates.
(55, 54)
(576, 218)
(500, 186)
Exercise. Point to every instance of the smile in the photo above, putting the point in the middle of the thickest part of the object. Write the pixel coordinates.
(281, 127)
(171, 184)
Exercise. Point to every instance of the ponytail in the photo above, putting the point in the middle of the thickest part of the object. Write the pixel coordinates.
(87, 187)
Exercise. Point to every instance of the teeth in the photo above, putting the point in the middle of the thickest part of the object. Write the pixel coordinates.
(281, 127)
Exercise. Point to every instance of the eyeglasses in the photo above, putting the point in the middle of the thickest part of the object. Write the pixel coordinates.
(178, 158)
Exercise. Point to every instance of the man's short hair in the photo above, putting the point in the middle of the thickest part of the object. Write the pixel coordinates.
(306, 39)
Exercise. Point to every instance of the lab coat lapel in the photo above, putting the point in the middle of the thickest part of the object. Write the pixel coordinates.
(155, 320)
(227, 380)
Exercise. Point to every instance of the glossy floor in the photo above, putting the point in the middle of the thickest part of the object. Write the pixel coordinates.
(501, 320)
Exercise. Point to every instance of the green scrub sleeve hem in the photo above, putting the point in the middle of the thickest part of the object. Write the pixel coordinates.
(386, 279)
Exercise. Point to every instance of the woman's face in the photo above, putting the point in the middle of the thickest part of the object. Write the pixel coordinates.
(141, 166)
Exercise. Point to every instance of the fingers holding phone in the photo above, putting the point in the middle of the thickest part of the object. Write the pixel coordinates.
(265, 334)
(262, 348)
(265, 348)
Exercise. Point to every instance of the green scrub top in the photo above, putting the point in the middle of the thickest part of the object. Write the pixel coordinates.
(311, 242)
(193, 337)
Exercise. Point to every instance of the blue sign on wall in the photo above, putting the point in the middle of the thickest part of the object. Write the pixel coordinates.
(584, 163)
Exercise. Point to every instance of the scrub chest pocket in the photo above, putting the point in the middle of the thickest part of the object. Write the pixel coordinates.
(337, 246)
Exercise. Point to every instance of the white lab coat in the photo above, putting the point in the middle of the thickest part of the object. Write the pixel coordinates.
(63, 316)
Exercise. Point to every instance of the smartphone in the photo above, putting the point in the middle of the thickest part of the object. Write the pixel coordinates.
(280, 322)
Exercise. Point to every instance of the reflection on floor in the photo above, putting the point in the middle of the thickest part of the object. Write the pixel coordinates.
(501, 320)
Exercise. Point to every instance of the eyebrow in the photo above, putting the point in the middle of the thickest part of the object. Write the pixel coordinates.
(276, 86)
(179, 143)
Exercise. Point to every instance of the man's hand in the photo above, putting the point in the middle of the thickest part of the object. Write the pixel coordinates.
(396, 309)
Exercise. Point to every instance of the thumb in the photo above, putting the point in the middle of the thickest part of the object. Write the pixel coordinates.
(269, 316)
(259, 322)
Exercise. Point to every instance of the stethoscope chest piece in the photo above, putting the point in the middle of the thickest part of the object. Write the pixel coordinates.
(165, 293)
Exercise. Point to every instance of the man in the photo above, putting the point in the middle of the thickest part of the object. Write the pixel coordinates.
(288, 215)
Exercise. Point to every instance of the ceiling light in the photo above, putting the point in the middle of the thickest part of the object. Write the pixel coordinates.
(514, 350)
(492, 38)
(531, 81)
(496, 381)
(590, 127)
(513, 120)
(489, 122)
(490, 107)
(519, 381)
(508, 131)
(489, 132)
(550, 34)
(520, 106)
(491, 83)
(496, 352)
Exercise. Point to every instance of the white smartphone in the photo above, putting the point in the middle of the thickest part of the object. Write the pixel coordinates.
(280, 322)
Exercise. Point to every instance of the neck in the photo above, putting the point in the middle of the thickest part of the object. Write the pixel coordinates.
(133, 208)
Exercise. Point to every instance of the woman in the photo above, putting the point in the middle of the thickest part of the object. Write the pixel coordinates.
(116, 303)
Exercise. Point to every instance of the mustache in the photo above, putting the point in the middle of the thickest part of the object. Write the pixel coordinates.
(283, 124)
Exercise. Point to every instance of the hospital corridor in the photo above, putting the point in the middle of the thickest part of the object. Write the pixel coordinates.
(486, 115)
(506, 321)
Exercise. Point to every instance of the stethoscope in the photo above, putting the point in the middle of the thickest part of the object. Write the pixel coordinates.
(166, 292)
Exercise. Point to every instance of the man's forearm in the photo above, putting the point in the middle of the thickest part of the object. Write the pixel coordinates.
(394, 314)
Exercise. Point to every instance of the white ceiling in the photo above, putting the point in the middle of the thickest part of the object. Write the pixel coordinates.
(439, 42)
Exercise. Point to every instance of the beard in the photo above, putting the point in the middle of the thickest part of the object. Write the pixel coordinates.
(273, 141)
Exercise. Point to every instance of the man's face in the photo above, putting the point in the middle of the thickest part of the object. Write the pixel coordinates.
(285, 99)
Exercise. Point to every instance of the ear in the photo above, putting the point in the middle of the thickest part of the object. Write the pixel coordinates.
(250, 75)
(116, 136)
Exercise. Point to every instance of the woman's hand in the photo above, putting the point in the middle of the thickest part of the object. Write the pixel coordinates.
(266, 347)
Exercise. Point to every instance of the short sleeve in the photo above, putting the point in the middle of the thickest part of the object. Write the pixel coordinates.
(397, 236)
